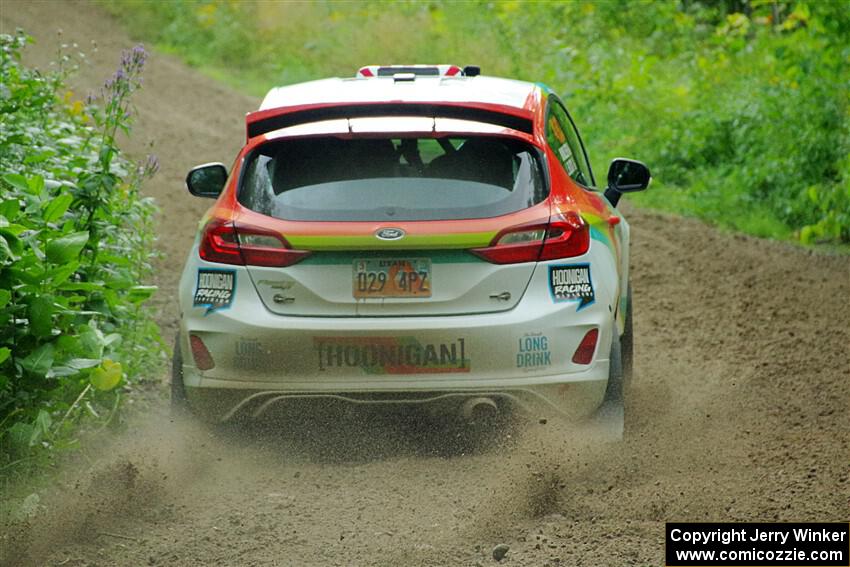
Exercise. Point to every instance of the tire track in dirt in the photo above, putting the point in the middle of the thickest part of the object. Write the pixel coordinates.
(739, 408)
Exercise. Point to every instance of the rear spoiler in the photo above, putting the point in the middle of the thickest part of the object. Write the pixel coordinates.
(264, 121)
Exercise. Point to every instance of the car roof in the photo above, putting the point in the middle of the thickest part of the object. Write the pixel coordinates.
(479, 89)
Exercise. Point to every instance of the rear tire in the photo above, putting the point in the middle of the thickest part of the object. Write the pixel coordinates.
(179, 401)
(611, 414)
(614, 393)
(627, 345)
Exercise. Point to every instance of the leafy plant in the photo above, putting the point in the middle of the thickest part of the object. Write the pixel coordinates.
(75, 243)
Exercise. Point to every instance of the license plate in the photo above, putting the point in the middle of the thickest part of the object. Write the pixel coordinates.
(392, 277)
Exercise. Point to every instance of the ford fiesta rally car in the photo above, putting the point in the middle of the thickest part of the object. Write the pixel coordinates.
(415, 235)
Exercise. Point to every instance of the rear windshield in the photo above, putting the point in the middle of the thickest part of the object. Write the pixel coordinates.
(376, 179)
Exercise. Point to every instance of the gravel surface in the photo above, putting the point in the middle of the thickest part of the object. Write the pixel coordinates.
(738, 409)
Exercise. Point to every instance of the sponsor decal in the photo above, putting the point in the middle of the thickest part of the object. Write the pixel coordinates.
(250, 353)
(568, 159)
(391, 355)
(214, 289)
(571, 283)
(533, 352)
(556, 129)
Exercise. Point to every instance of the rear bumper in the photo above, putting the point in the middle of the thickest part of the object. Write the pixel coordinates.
(258, 366)
(221, 400)
(522, 356)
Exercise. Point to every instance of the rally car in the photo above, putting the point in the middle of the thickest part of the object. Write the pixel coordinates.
(417, 236)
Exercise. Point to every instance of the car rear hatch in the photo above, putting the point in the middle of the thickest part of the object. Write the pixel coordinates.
(385, 224)
(390, 280)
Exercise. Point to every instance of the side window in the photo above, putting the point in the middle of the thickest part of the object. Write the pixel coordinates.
(564, 140)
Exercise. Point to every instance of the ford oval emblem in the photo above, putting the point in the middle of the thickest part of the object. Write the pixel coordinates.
(389, 233)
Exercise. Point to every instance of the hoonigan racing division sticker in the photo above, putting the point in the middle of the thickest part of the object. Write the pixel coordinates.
(571, 283)
(215, 289)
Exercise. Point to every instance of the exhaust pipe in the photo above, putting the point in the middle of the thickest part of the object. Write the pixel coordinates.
(475, 409)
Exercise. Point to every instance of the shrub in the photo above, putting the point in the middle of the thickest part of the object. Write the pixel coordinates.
(75, 243)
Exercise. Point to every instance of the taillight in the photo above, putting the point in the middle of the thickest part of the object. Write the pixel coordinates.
(228, 243)
(219, 243)
(202, 356)
(585, 350)
(562, 236)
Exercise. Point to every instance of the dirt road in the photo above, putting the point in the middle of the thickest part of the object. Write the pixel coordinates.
(740, 408)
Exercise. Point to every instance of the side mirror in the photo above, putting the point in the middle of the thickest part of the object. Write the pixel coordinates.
(626, 176)
(207, 180)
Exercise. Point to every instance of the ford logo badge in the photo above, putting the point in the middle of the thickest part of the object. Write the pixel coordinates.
(389, 233)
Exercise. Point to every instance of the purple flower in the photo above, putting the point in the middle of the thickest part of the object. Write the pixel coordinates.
(151, 165)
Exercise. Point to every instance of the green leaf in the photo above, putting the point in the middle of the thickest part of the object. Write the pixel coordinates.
(57, 207)
(10, 208)
(40, 315)
(5, 297)
(10, 245)
(111, 338)
(73, 367)
(39, 361)
(41, 427)
(91, 342)
(13, 229)
(58, 275)
(67, 344)
(81, 363)
(67, 248)
(9, 233)
(39, 157)
(82, 286)
(5, 249)
(106, 376)
(140, 293)
(36, 184)
(30, 274)
(17, 181)
(5, 352)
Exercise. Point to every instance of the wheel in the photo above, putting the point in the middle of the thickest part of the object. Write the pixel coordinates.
(614, 393)
(627, 345)
(611, 414)
(179, 402)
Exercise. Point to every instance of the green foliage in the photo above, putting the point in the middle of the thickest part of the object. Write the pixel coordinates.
(72, 323)
(740, 107)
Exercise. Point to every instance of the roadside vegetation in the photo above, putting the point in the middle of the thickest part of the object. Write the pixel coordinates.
(75, 248)
(740, 107)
